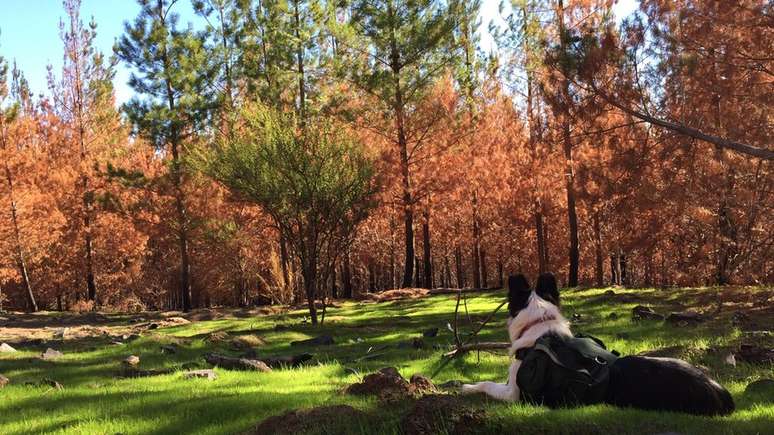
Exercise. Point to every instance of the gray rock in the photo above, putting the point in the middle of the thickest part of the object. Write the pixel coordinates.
(206, 373)
(6, 348)
(4, 381)
(641, 312)
(51, 354)
(132, 361)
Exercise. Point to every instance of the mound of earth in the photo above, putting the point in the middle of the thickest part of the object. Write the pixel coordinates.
(389, 385)
(309, 420)
(442, 414)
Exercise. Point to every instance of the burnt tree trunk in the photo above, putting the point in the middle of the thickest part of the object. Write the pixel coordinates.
(476, 243)
(427, 269)
(484, 273)
(346, 277)
(458, 266)
(599, 264)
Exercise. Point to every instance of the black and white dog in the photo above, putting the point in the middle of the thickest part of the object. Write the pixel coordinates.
(665, 384)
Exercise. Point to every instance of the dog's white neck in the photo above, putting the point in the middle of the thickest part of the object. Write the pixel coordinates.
(539, 318)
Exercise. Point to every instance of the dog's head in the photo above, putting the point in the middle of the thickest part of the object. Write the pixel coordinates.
(527, 307)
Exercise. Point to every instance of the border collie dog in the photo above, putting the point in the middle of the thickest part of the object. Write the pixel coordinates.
(664, 384)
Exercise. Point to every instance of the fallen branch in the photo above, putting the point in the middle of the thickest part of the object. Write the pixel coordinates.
(478, 346)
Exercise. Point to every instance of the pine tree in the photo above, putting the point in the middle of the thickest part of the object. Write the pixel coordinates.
(394, 52)
(170, 78)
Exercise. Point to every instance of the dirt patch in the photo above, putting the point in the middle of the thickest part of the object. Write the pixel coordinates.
(309, 420)
(394, 295)
(442, 414)
(389, 385)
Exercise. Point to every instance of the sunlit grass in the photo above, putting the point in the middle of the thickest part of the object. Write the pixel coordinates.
(95, 401)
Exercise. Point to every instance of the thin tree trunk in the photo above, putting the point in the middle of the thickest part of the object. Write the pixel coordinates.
(399, 111)
(458, 266)
(346, 277)
(500, 277)
(476, 243)
(426, 258)
(572, 217)
(599, 269)
(484, 274)
(21, 262)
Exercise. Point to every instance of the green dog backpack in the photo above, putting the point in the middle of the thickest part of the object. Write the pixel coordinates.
(564, 371)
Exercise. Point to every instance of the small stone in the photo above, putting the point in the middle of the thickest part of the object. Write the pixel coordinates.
(50, 354)
(116, 343)
(430, 333)
(6, 348)
(641, 312)
(132, 361)
(206, 373)
(169, 349)
(153, 326)
(4, 381)
(730, 359)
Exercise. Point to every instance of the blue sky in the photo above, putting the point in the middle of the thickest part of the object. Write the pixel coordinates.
(29, 33)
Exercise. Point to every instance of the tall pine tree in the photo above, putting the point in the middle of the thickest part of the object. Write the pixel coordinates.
(170, 77)
(395, 51)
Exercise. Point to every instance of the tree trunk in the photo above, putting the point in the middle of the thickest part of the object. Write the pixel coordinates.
(310, 287)
(426, 259)
(21, 262)
(540, 236)
(572, 217)
(500, 277)
(334, 287)
(484, 274)
(346, 277)
(476, 243)
(458, 264)
(399, 111)
(599, 266)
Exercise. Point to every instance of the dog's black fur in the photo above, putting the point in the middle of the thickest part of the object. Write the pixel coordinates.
(664, 384)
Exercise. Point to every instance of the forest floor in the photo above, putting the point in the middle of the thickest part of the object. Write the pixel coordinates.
(94, 398)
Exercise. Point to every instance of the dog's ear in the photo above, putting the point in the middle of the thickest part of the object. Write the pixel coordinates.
(518, 293)
(547, 289)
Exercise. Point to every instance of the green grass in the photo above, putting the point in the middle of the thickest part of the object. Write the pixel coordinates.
(94, 401)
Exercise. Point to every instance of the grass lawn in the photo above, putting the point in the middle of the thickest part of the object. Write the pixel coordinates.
(95, 401)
